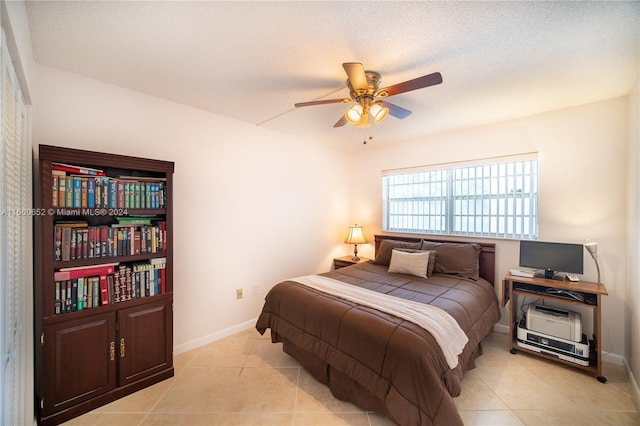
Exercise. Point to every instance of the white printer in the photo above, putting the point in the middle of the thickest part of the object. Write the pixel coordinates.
(555, 322)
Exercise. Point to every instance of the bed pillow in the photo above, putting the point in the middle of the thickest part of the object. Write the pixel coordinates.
(455, 258)
(412, 263)
(432, 258)
(386, 246)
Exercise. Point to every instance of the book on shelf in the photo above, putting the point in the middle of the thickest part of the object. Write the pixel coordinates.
(136, 220)
(60, 191)
(79, 268)
(80, 293)
(90, 287)
(104, 290)
(79, 240)
(76, 169)
(86, 271)
(68, 192)
(57, 186)
(94, 191)
(65, 244)
(143, 178)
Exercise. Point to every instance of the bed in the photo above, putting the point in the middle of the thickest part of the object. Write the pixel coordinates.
(379, 359)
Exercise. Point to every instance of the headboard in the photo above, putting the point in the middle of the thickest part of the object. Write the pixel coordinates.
(487, 254)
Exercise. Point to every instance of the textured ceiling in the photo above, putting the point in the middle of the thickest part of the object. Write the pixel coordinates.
(253, 60)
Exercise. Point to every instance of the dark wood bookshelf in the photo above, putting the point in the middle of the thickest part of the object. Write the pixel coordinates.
(88, 358)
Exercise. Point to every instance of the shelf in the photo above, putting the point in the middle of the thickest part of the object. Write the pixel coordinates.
(592, 292)
(99, 260)
(581, 286)
(591, 368)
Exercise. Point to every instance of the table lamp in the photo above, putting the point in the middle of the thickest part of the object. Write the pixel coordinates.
(355, 237)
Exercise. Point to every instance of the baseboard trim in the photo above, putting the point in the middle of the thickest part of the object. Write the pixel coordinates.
(501, 328)
(196, 343)
(634, 384)
(613, 358)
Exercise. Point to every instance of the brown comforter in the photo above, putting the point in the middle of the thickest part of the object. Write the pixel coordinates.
(375, 360)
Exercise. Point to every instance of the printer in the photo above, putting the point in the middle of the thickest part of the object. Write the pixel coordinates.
(556, 322)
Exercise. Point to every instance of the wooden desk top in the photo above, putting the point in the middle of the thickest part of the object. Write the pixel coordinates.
(581, 286)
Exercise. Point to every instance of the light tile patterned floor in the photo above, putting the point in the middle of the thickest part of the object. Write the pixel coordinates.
(247, 380)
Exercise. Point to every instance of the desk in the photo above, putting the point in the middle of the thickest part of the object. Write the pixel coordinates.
(515, 286)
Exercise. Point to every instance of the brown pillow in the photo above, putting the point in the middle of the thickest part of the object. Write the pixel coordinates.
(386, 247)
(455, 258)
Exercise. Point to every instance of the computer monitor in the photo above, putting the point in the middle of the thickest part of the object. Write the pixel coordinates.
(551, 257)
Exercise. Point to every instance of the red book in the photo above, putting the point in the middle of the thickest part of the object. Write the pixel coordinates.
(76, 169)
(70, 274)
(104, 290)
(163, 227)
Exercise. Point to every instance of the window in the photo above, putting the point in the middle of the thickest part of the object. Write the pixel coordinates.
(488, 198)
(15, 248)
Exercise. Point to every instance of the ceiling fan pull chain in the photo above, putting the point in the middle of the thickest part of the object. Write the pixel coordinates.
(364, 141)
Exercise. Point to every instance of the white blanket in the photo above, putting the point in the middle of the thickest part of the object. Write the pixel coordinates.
(440, 324)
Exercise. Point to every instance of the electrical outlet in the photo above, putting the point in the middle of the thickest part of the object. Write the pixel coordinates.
(256, 290)
(239, 293)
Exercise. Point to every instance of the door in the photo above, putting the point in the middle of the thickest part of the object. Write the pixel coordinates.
(145, 340)
(80, 361)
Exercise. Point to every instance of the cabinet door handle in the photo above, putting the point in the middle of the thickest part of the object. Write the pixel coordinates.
(112, 351)
(121, 348)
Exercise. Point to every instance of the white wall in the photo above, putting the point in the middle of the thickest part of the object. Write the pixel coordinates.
(252, 206)
(583, 187)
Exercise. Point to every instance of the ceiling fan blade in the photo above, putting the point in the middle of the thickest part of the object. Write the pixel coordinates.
(416, 83)
(327, 101)
(341, 122)
(395, 110)
(357, 77)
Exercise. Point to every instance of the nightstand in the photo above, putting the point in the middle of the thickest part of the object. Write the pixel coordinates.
(341, 262)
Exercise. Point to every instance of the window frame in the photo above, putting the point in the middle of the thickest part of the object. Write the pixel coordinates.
(493, 197)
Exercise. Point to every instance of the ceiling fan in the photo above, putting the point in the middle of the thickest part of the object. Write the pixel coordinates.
(365, 92)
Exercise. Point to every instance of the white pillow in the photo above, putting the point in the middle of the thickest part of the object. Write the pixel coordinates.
(403, 262)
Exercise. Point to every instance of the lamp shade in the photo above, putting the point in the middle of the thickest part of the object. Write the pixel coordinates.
(354, 114)
(355, 236)
(378, 112)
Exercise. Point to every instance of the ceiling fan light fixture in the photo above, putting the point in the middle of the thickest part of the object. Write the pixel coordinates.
(378, 112)
(364, 90)
(364, 122)
(354, 114)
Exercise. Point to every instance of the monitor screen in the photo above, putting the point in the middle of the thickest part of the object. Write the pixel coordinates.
(551, 257)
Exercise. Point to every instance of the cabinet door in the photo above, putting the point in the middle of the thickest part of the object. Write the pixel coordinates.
(145, 342)
(80, 361)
